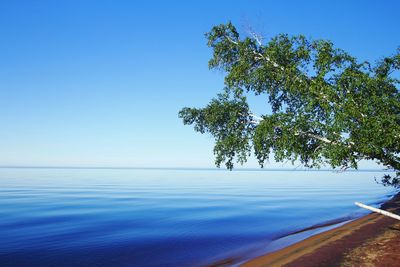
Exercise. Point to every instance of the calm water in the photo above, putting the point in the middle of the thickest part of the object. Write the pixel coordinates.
(128, 217)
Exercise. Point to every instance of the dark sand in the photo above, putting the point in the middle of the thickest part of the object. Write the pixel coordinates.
(372, 240)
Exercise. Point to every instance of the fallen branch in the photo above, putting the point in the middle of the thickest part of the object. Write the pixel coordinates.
(383, 212)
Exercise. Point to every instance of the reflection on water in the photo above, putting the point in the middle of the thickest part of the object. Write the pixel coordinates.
(133, 217)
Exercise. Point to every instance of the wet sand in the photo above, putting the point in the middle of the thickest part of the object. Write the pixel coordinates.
(372, 240)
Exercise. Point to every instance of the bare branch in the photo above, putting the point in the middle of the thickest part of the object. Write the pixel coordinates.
(256, 36)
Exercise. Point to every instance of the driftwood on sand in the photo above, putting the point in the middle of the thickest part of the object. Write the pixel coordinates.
(383, 212)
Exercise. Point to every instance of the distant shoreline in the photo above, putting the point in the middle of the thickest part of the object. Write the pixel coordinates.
(345, 245)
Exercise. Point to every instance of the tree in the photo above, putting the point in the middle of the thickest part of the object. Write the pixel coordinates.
(327, 108)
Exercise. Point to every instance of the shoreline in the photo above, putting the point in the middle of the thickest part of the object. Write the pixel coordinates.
(335, 246)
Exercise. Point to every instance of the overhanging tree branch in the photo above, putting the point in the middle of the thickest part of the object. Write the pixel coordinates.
(326, 107)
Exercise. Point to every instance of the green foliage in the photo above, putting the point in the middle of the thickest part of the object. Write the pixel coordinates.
(327, 108)
(227, 119)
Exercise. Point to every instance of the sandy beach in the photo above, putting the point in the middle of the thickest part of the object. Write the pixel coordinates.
(372, 240)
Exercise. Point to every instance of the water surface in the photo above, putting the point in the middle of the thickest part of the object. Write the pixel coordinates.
(134, 217)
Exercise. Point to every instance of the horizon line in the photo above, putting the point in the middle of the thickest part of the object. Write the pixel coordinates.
(186, 168)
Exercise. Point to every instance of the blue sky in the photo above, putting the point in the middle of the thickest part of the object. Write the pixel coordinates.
(100, 83)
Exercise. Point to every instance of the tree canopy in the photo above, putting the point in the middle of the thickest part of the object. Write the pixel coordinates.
(327, 107)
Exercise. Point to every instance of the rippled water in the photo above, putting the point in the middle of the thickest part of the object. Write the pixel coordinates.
(133, 217)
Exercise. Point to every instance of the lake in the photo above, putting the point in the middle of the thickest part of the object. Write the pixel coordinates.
(169, 217)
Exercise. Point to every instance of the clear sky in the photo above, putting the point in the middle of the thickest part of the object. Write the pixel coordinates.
(100, 83)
